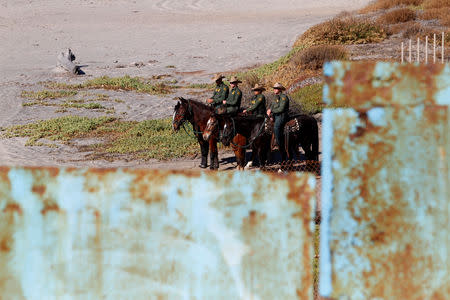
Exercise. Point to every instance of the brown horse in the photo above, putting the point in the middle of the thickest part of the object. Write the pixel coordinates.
(197, 114)
(302, 130)
(252, 129)
(212, 130)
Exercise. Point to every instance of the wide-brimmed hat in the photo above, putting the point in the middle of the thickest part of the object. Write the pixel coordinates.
(218, 77)
(258, 87)
(234, 79)
(278, 86)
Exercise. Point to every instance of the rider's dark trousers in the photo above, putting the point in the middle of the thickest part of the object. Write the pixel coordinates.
(280, 120)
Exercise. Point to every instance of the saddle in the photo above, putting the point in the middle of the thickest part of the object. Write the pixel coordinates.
(292, 126)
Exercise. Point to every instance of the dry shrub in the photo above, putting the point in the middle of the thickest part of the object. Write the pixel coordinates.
(416, 30)
(250, 79)
(289, 74)
(398, 28)
(386, 4)
(432, 14)
(445, 20)
(314, 57)
(399, 15)
(436, 4)
(343, 31)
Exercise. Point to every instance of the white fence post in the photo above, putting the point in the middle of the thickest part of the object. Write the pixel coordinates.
(434, 48)
(418, 50)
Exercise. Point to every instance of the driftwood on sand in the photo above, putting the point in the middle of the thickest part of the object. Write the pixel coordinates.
(65, 60)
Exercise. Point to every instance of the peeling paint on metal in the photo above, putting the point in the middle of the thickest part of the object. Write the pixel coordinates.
(362, 85)
(325, 286)
(137, 234)
(385, 204)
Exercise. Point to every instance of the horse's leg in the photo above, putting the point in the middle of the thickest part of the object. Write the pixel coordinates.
(252, 158)
(214, 154)
(204, 148)
(239, 151)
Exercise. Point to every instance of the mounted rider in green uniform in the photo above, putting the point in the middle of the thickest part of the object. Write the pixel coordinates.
(279, 108)
(258, 102)
(232, 104)
(220, 92)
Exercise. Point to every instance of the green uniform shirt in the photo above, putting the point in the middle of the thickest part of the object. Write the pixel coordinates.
(280, 104)
(220, 94)
(258, 105)
(234, 98)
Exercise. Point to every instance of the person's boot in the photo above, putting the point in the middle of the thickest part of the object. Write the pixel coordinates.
(204, 162)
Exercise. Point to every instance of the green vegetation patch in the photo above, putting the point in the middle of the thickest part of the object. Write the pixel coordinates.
(151, 139)
(308, 98)
(125, 83)
(201, 86)
(67, 104)
(46, 94)
(76, 104)
(59, 129)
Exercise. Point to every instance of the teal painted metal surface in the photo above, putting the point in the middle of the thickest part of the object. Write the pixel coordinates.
(136, 234)
(385, 199)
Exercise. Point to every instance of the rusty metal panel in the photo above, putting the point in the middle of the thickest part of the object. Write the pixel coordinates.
(138, 234)
(362, 85)
(385, 198)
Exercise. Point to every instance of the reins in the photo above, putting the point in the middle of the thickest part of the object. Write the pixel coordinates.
(251, 140)
(184, 121)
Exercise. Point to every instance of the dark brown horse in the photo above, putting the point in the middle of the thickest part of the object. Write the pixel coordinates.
(252, 128)
(197, 114)
(302, 130)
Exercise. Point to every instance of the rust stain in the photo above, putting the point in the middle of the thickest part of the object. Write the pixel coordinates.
(53, 172)
(254, 218)
(13, 207)
(49, 207)
(300, 193)
(363, 88)
(4, 175)
(39, 189)
(5, 244)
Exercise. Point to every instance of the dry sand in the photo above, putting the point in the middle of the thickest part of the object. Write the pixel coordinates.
(197, 37)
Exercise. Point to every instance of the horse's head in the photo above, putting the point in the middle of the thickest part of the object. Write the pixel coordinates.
(228, 131)
(212, 128)
(180, 114)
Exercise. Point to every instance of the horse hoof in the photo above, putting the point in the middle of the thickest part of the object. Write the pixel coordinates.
(249, 165)
(202, 166)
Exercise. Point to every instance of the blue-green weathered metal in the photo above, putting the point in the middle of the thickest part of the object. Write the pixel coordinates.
(139, 234)
(385, 199)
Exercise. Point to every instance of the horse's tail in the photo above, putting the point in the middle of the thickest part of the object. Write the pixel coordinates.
(315, 140)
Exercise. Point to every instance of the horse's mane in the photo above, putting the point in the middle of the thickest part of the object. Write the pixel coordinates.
(199, 104)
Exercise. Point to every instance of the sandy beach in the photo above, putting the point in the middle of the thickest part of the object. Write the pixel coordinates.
(189, 39)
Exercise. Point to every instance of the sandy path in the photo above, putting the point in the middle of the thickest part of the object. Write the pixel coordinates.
(198, 37)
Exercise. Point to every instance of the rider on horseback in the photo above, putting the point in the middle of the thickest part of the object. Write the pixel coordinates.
(279, 108)
(258, 102)
(232, 104)
(220, 92)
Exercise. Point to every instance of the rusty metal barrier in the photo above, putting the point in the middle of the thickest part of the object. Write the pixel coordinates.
(385, 182)
(138, 234)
